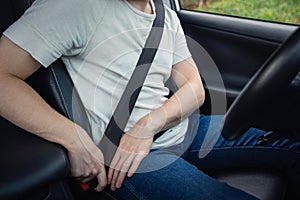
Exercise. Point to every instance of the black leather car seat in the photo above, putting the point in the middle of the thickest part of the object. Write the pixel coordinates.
(32, 168)
(29, 165)
(21, 150)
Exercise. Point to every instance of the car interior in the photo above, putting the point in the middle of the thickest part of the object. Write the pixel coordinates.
(256, 60)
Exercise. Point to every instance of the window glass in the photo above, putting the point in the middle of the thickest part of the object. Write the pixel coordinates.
(287, 11)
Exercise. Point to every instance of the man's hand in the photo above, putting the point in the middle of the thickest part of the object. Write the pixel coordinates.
(133, 148)
(87, 160)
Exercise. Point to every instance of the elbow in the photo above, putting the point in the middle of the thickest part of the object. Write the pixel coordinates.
(199, 90)
(199, 93)
(201, 96)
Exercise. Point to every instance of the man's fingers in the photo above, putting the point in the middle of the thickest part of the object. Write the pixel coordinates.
(112, 166)
(135, 164)
(120, 179)
(114, 179)
(127, 158)
(121, 170)
(88, 179)
(92, 175)
(102, 180)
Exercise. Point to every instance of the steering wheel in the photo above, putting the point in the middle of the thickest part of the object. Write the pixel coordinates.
(268, 85)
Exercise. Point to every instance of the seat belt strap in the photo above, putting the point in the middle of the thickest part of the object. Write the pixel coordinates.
(120, 117)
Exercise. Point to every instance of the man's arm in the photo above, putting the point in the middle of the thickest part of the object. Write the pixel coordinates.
(136, 143)
(189, 97)
(20, 104)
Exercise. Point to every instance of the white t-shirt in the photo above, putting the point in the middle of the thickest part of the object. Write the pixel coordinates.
(100, 42)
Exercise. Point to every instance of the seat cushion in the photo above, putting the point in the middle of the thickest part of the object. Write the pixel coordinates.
(264, 185)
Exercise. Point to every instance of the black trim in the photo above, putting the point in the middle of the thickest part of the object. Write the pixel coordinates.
(251, 28)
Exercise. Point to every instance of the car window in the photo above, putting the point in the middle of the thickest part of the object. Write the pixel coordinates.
(287, 11)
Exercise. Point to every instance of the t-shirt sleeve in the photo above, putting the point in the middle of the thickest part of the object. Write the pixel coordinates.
(50, 29)
(181, 51)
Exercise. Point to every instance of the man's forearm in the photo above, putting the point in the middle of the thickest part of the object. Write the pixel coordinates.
(20, 104)
(182, 104)
(189, 97)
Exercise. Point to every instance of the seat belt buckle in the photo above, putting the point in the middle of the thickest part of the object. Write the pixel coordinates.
(89, 185)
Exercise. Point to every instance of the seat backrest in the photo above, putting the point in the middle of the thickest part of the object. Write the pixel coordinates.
(56, 87)
(11, 10)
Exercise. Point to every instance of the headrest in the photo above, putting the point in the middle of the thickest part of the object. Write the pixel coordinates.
(11, 10)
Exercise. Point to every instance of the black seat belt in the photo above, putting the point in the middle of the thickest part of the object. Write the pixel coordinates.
(120, 117)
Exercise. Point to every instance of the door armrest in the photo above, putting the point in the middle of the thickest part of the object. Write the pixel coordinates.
(28, 162)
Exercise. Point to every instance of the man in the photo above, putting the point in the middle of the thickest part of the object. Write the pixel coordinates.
(100, 48)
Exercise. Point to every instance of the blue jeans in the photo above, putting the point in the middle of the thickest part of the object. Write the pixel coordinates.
(175, 173)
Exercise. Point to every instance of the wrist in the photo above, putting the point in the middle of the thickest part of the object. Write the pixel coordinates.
(154, 121)
(74, 138)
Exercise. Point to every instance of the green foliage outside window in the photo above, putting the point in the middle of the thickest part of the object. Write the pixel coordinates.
(286, 11)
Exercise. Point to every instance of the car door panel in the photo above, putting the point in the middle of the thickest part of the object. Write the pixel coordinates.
(238, 47)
